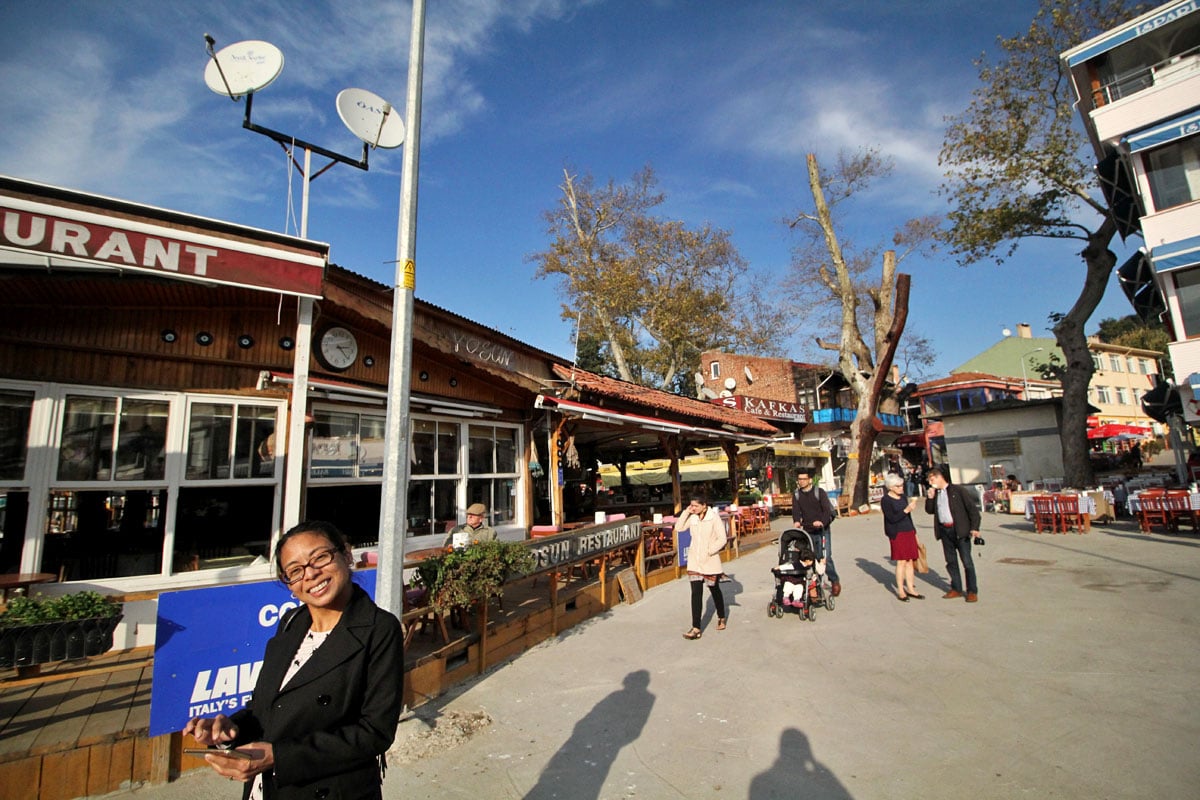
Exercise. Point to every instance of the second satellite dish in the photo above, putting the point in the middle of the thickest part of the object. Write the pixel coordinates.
(370, 118)
(245, 67)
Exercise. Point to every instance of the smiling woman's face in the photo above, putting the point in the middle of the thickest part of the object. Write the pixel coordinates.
(327, 586)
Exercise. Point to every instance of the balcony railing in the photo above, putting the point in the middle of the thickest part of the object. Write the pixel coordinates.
(1134, 81)
(827, 415)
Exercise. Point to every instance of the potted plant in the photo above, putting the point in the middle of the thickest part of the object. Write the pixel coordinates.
(40, 631)
(477, 572)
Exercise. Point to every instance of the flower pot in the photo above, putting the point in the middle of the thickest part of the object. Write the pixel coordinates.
(47, 642)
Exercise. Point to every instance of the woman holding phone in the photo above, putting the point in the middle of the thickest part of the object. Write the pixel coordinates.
(328, 697)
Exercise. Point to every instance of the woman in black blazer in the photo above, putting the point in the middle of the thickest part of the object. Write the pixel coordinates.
(328, 697)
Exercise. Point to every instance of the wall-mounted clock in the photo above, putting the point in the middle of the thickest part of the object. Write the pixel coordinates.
(337, 349)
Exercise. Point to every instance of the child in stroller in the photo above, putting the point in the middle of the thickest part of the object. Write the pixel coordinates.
(799, 578)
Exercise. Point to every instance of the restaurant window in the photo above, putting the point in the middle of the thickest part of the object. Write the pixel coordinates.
(230, 441)
(493, 467)
(1174, 173)
(346, 444)
(223, 526)
(14, 511)
(1122, 396)
(1115, 363)
(16, 408)
(112, 438)
(433, 490)
(104, 533)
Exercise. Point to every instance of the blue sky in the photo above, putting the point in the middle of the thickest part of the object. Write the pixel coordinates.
(723, 98)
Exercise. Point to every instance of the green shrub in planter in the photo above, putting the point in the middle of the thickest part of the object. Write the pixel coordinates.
(38, 631)
(460, 577)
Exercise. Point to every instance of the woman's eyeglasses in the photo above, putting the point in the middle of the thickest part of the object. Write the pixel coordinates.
(322, 559)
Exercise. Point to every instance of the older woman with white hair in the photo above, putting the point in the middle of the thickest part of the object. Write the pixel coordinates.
(902, 533)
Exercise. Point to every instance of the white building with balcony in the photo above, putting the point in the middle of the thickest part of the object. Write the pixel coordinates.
(1139, 97)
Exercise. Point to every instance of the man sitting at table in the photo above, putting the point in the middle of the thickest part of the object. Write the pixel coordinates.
(472, 531)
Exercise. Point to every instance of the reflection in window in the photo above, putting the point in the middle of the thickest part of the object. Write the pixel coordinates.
(141, 440)
(347, 445)
(85, 453)
(498, 495)
(231, 440)
(222, 526)
(15, 411)
(1174, 173)
(104, 533)
(482, 450)
(431, 506)
(1187, 289)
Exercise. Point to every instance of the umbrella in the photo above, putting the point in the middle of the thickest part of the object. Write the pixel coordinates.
(1114, 429)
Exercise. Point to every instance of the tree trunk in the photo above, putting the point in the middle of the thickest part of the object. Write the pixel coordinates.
(1077, 377)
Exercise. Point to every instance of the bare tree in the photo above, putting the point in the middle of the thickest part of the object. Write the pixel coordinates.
(863, 359)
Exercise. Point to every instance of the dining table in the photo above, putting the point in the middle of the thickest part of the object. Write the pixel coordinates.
(18, 583)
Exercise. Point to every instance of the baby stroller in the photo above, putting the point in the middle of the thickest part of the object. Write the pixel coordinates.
(799, 567)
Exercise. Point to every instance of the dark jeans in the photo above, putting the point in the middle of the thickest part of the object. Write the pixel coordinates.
(824, 537)
(698, 600)
(954, 549)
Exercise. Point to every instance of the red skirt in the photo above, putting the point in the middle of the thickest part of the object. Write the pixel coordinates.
(904, 546)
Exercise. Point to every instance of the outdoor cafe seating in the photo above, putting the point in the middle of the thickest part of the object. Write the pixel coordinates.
(1165, 508)
(1061, 512)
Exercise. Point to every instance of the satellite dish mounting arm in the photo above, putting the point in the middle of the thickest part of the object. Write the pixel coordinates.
(287, 141)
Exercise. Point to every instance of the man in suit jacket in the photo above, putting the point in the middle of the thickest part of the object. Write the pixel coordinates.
(955, 524)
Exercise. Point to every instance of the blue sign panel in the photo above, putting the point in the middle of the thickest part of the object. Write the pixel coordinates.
(208, 648)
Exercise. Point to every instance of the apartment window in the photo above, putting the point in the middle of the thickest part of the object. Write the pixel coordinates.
(1102, 395)
(1131, 365)
(1115, 363)
(714, 369)
(1097, 363)
(1136, 395)
(1144, 366)
(1187, 290)
(1174, 173)
(1122, 396)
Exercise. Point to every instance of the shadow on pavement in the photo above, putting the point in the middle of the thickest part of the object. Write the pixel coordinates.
(796, 773)
(580, 767)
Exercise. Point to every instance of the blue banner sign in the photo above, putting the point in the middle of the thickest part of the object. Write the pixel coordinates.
(208, 648)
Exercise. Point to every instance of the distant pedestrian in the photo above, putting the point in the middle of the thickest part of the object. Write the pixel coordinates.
(1120, 498)
(955, 525)
(812, 512)
(1135, 454)
(902, 533)
(703, 558)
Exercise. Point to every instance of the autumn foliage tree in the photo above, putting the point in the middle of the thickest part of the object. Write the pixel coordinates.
(1019, 166)
(652, 292)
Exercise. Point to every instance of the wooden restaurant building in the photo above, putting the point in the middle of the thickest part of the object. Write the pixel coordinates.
(175, 391)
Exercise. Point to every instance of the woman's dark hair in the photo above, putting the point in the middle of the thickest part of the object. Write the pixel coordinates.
(698, 496)
(328, 530)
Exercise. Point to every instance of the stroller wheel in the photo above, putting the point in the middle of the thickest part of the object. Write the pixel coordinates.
(772, 610)
(812, 613)
(829, 602)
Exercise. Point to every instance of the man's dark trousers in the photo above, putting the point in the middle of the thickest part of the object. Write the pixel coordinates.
(955, 548)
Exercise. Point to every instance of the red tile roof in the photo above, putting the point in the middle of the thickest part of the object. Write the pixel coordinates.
(644, 398)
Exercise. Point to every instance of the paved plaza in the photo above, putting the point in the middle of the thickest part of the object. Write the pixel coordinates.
(1074, 677)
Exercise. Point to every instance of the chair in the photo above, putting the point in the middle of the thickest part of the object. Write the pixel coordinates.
(1178, 508)
(614, 517)
(1066, 508)
(538, 531)
(1043, 513)
(1153, 509)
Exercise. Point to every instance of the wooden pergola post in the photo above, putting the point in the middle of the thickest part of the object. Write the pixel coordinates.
(557, 511)
(672, 445)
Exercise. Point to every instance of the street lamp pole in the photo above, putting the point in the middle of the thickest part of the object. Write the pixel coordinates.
(393, 517)
(1024, 378)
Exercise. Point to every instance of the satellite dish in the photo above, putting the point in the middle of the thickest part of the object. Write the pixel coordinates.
(708, 393)
(1006, 333)
(370, 118)
(243, 68)
(726, 393)
(730, 383)
(749, 374)
(699, 378)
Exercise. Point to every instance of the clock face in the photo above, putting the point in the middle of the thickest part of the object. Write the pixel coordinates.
(338, 349)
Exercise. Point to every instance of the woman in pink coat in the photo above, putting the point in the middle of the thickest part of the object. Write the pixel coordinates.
(704, 559)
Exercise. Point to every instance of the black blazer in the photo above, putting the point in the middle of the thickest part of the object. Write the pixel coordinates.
(962, 509)
(338, 714)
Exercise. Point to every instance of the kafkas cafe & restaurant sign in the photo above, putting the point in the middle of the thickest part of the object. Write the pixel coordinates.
(768, 409)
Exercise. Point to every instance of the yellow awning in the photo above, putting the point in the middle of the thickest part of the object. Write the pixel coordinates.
(793, 449)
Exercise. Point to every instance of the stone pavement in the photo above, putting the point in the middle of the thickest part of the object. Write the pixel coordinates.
(1074, 677)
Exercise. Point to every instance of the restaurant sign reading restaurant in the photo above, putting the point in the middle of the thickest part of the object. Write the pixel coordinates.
(44, 233)
(564, 548)
(768, 409)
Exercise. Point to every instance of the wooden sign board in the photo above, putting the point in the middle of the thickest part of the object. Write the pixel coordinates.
(629, 586)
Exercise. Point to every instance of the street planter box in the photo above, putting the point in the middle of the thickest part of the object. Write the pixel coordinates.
(61, 640)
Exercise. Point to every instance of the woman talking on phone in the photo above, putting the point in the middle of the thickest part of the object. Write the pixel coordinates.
(328, 696)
